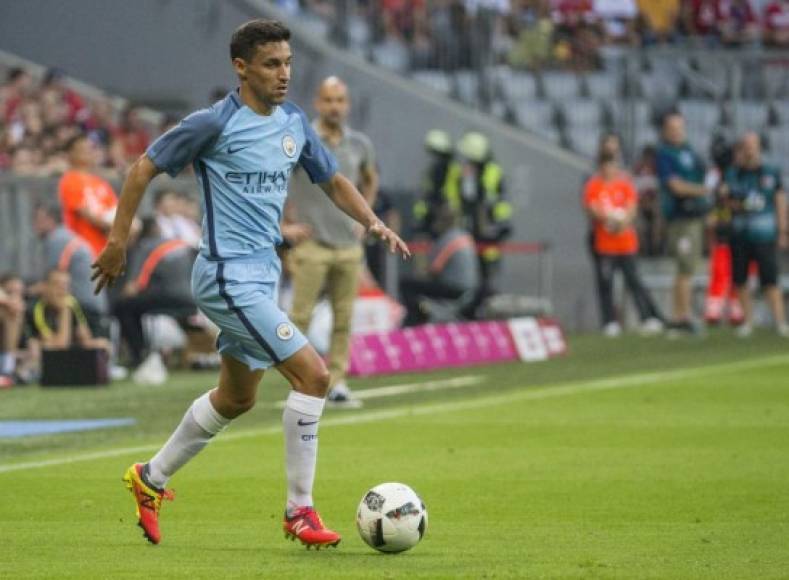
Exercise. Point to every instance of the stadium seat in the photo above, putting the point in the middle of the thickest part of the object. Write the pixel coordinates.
(391, 55)
(535, 114)
(583, 140)
(547, 132)
(747, 115)
(778, 142)
(466, 87)
(658, 89)
(644, 135)
(581, 113)
(699, 114)
(601, 85)
(781, 109)
(437, 80)
(619, 112)
(559, 85)
(700, 140)
(707, 79)
(358, 34)
(515, 85)
(776, 81)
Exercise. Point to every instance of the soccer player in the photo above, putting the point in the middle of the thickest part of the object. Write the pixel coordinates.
(244, 149)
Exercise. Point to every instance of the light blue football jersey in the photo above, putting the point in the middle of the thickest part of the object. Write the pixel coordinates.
(243, 162)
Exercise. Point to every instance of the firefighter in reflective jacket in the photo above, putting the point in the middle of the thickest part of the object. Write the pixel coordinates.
(438, 145)
(474, 187)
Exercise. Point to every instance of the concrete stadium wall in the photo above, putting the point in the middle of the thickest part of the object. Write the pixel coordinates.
(171, 53)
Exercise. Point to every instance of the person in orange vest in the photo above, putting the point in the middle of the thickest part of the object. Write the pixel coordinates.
(88, 201)
(157, 283)
(611, 201)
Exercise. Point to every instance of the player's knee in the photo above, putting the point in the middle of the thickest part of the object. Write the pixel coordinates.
(236, 405)
(314, 382)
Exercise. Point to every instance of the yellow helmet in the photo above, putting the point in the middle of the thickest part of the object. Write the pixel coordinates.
(438, 141)
(474, 146)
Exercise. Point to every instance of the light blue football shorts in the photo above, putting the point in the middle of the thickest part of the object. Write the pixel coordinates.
(240, 297)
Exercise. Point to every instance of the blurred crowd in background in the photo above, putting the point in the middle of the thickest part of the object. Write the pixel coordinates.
(38, 117)
(537, 33)
(463, 211)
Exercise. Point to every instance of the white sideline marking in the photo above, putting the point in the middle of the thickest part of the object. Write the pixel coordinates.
(437, 385)
(530, 394)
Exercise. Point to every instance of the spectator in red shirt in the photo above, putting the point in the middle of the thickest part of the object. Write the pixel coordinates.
(53, 85)
(704, 18)
(19, 85)
(738, 24)
(578, 32)
(776, 23)
(132, 134)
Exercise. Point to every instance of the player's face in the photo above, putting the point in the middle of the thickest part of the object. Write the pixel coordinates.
(332, 104)
(268, 72)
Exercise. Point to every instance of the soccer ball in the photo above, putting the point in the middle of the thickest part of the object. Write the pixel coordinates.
(391, 518)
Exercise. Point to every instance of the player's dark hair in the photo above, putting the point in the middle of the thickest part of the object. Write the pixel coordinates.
(253, 33)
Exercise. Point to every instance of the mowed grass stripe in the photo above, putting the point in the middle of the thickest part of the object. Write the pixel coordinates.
(529, 394)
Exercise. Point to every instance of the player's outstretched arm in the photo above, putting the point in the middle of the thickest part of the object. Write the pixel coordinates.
(109, 265)
(346, 197)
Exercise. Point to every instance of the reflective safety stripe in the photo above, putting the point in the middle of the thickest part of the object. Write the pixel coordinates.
(420, 209)
(491, 180)
(502, 211)
(64, 261)
(452, 185)
(153, 259)
(446, 253)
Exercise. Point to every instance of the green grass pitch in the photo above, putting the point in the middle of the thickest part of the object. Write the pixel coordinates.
(633, 458)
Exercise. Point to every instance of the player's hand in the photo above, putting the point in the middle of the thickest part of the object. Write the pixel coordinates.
(108, 266)
(783, 240)
(387, 236)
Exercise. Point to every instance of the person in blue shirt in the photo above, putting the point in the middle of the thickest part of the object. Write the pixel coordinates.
(759, 227)
(244, 149)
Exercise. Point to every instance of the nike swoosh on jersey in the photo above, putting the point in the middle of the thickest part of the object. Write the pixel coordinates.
(304, 423)
(230, 150)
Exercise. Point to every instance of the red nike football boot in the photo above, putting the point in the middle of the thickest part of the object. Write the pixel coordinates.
(306, 525)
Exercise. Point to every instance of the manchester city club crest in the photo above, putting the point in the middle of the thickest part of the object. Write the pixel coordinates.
(284, 331)
(289, 145)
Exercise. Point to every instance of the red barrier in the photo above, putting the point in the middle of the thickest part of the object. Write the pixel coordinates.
(423, 247)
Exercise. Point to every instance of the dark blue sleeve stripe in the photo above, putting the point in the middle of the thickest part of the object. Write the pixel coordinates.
(220, 278)
(209, 210)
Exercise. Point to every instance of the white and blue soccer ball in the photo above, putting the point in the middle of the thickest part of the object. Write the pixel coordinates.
(391, 518)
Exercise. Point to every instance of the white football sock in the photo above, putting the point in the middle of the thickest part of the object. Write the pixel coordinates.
(200, 423)
(300, 425)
